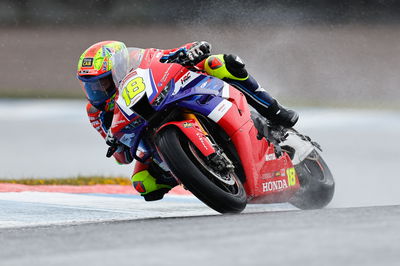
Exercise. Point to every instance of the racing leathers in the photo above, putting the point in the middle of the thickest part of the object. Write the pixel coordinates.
(150, 180)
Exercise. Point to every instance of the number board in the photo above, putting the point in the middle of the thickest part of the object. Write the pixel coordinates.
(132, 89)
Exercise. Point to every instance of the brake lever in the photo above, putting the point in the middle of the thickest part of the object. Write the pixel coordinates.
(111, 150)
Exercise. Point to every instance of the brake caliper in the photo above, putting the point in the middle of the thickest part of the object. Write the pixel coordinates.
(220, 163)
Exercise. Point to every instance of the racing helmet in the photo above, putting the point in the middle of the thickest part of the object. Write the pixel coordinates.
(94, 73)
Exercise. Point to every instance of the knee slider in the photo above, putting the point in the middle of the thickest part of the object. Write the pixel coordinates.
(145, 183)
(235, 66)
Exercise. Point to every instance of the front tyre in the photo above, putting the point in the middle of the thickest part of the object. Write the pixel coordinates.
(190, 167)
(316, 183)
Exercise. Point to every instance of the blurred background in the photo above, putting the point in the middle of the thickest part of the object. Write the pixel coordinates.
(319, 52)
(335, 61)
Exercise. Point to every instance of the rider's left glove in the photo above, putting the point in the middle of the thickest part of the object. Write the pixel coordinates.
(114, 143)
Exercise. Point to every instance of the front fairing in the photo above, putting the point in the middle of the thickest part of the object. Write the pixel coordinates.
(165, 86)
(201, 96)
(127, 124)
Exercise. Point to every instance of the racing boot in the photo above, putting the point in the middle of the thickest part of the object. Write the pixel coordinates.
(266, 105)
(231, 69)
(279, 115)
(153, 183)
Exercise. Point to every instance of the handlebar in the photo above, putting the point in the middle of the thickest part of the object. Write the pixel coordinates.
(178, 57)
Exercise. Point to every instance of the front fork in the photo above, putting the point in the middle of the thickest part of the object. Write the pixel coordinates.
(219, 159)
(192, 128)
(191, 116)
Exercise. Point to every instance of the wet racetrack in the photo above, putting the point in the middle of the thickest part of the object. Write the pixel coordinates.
(54, 139)
(349, 236)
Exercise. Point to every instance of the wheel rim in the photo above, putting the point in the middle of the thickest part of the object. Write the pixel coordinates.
(228, 183)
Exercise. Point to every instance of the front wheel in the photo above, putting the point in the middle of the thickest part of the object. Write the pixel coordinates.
(222, 192)
(316, 181)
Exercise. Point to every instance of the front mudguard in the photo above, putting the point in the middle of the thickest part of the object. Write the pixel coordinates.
(192, 130)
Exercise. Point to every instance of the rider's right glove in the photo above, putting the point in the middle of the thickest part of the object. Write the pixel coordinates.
(198, 52)
(189, 57)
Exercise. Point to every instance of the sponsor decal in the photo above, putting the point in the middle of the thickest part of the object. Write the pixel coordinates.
(87, 62)
(127, 139)
(274, 174)
(139, 186)
(106, 51)
(119, 122)
(200, 136)
(220, 110)
(104, 66)
(289, 172)
(166, 74)
(274, 185)
(187, 125)
(214, 63)
(204, 84)
(283, 172)
(270, 157)
(185, 78)
(268, 175)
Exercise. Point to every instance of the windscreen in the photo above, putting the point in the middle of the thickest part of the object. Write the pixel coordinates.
(125, 61)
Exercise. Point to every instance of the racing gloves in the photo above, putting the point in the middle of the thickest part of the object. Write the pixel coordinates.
(188, 57)
(123, 154)
(198, 52)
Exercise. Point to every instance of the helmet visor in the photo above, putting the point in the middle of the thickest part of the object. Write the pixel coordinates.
(98, 89)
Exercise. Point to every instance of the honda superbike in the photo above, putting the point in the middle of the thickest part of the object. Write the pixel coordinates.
(202, 131)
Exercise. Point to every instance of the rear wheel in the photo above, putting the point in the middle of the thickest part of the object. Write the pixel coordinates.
(316, 181)
(220, 190)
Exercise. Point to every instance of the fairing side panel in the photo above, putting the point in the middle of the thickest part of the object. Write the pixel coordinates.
(267, 178)
(238, 114)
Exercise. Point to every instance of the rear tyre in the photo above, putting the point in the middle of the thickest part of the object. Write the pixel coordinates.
(190, 167)
(316, 181)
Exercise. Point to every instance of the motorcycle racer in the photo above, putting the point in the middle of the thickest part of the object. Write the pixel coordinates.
(94, 73)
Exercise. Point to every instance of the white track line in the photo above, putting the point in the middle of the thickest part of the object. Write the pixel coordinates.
(26, 209)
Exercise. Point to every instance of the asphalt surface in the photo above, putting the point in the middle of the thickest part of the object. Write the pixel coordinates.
(42, 139)
(351, 236)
